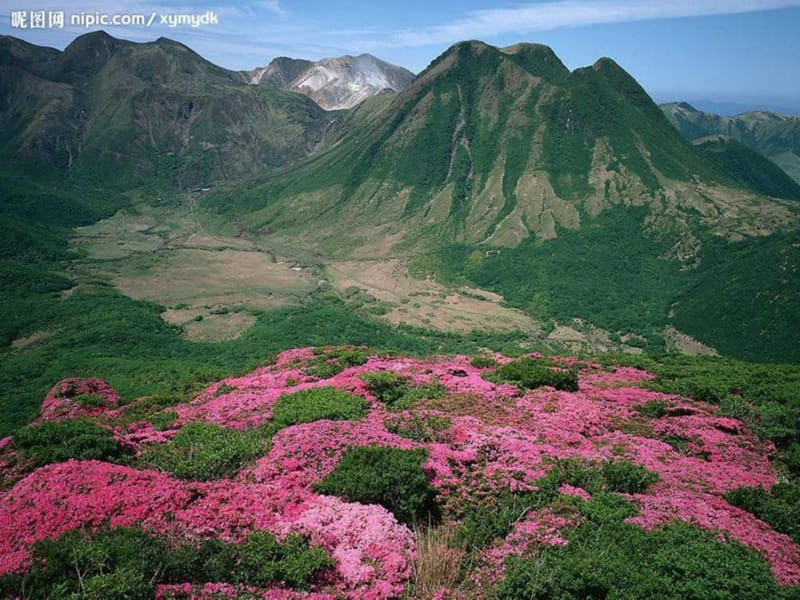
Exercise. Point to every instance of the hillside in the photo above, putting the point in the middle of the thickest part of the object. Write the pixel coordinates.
(334, 83)
(124, 114)
(748, 167)
(774, 135)
(496, 162)
(499, 201)
(339, 473)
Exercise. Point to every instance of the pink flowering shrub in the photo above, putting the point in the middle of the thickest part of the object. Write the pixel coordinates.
(74, 398)
(481, 440)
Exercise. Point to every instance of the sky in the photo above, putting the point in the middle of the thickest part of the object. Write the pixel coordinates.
(728, 54)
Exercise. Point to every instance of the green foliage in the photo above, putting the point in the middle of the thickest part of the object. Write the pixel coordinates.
(607, 507)
(749, 168)
(619, 475)
(493, 517)
(725, 308)
(383, 475)
(779, 506)
(257, 561)
(205, 451)
(427, 428)
(387, 386)
(80, 439)
(224, 389)
(530, 373)
(654, 409)
(90, 400)
(483, 362)
(261, 560)
(127, 564)
(117, 564)
(621, 560)
(397, 392)
(333, 362)
(314, 404)
(765, 396)
(126, 342)
(163, 420)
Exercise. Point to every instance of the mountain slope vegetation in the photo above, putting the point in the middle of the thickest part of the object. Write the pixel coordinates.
(505, 158)
(774, 135)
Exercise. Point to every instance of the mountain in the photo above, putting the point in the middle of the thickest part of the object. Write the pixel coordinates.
(498, 162)
(748, 167)
(128, 114)
(774, 135)
(494, 146)
(335, 83)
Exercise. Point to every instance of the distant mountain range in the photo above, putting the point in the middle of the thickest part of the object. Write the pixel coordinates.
(570, 193)
(774, 135)
(334, 83)
(130, 114)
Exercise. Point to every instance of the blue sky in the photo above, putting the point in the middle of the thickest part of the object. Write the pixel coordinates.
(728, 51)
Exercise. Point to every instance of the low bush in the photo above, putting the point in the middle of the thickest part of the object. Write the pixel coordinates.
(620, 475)
(483, 362)
(419, 428)
(314, 404)
(621, 560)
(398, 392)
(530, 373)
(780, 506)
(654, 409)
(332, 362)
(127, 564)
(205, 451)
(387, 386)
(57, 442)
(388, 476)
(118, 564)
(260, 560)
(492, 518)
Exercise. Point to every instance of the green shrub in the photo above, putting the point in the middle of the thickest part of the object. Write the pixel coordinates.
(618, 475)
(607, 507)
(780, 506)
(224, 389)
(315, 404)
(627, 477)
(397, 392)
(621, 560)
(419, 428)
(492, 518)
(530, 373)
(260, 560)
(118, 564)
(383, 475)
(333, 362)
(57, 442)
(90, 400)
(127, 564)
(483, 362)
(387, 386)
(163, 420)
(205, 451)
(654, 409)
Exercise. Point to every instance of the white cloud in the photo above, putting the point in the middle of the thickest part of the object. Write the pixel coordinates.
(274, 6)
(545, 16)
